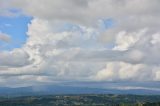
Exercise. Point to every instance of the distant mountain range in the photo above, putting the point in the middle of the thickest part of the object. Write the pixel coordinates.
(58, 90)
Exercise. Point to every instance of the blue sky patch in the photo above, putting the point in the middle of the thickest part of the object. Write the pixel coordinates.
(105, 24)
(16, 28)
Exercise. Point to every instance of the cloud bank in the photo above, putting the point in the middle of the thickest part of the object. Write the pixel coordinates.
(84, 40)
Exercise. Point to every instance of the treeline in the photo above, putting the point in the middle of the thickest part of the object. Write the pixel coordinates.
(82, 100)
(140, 104)
(43, 104)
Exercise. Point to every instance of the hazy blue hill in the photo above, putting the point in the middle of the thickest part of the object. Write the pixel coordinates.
(56, 89)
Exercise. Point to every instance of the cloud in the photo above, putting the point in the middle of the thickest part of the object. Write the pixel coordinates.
(88, 11)
(4, 37)
(136, 88)
(81, 53)
(125, 40)
(15, 58)
(66, 42)
(124, 71)
(7, 10)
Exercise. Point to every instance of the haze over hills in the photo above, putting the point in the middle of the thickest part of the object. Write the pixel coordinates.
(58, 89)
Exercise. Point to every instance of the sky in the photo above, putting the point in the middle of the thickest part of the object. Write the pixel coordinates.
(89, 41)
(15, 29)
